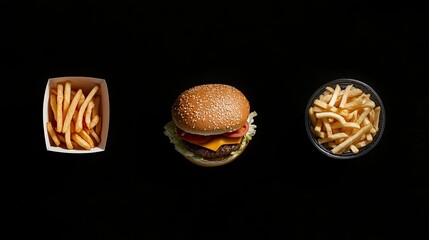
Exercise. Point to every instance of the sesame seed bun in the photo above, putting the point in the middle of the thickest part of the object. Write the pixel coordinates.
(210, 109)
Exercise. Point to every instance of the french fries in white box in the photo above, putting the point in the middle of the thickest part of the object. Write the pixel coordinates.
(344, 119)
(76, 114)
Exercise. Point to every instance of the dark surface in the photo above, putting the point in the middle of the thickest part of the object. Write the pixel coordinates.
(278, 54)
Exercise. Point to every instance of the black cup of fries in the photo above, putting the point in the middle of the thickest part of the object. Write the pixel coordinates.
(345, 118)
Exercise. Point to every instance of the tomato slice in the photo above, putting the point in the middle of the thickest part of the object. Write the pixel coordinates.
(193, 138)
(239, 132)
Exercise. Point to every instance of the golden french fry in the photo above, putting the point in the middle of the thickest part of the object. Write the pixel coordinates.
(53, 133)
(63, 140)
(60, 98)
(354, 149)
(327, 126)
(79, 120)
(333, 137)
(351, 117)
(99, 125)
(362, 144)
(345, 95)
(321, 103)
(81, 100)
(319, 124)
(338, 125)
(369, 137)
(318, 133)
(67, 96)
(88, 113)
(74, 118)
(330, 90)
(96, 108)
(354, 92)
(53, 104)
(363, 115)
(312, 116)
(354, 104)
(333, 115)
(94, 122)
(335, 95)
(376, 117)
(95, 136)
(86, 137)
(80, 141)
(71, 110)
(67, 137)
(316, 109)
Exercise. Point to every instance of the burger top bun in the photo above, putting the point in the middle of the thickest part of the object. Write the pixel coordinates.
(210, 109)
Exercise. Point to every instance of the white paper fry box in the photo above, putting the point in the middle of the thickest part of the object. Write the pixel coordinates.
(86, 84)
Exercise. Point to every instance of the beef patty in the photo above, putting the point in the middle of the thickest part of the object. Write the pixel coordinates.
(222, 151)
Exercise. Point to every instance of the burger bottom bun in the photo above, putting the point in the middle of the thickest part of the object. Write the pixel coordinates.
(214, 162)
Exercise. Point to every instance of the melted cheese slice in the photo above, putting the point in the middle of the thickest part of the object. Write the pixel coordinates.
(219, 141)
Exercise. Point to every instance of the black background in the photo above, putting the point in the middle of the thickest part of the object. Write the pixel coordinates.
(277, 53)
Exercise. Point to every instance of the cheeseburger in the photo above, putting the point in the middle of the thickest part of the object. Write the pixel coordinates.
(211, 124)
